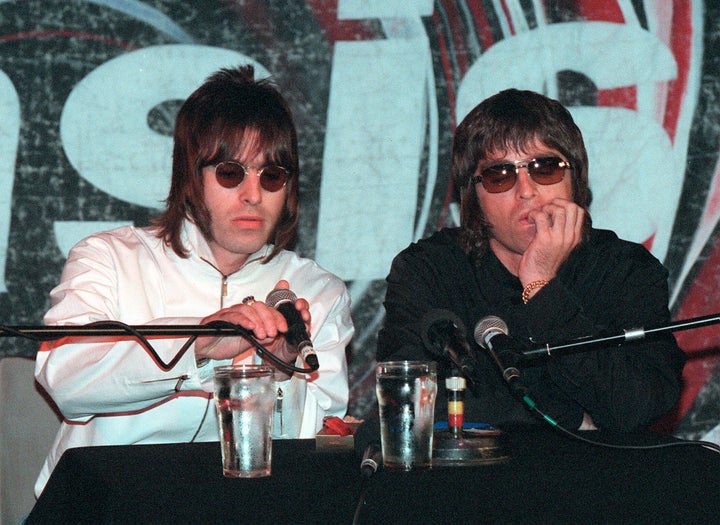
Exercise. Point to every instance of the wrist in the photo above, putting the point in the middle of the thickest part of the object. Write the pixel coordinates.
(203, 350)
(531, 289)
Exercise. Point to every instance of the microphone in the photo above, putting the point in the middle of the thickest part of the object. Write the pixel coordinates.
(284, 302)
(491, 333)
(371, 460)
(443, 334)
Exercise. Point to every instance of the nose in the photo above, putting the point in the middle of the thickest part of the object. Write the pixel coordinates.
(525, 187)
(250, 190)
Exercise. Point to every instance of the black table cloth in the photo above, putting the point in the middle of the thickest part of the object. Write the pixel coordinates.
(548, 478)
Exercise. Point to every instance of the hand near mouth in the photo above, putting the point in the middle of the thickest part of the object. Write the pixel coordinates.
(558, 231)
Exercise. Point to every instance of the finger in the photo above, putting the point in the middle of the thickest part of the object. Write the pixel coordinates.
(257, 317)
(302, 304)
(236, 314)
(541, 220)
(580, 221)
(282, 284)
(224, 347)
(558, 218)
(574, 218)
(303, 307)
(571, 221)
(269, 321)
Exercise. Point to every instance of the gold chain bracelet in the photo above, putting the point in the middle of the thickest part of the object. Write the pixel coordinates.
(529, 287)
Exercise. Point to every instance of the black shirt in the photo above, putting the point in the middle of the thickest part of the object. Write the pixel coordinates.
(606, 285)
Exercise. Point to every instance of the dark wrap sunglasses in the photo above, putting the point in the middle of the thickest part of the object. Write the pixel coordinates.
(502, 177)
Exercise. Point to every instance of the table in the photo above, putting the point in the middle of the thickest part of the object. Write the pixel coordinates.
(548, 477)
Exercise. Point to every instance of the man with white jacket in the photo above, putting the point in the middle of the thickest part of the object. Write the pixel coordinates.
(215, 253)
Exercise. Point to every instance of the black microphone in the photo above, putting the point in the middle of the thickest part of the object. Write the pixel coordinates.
(491, 333)
(443, 334)
(371, 460)
(284, 302)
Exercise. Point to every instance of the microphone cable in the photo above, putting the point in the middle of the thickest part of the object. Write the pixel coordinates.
(491, 326)
(554, 424)
(364, 485)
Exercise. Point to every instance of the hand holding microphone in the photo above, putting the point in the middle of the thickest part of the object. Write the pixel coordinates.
(262, 322)
(283, 300)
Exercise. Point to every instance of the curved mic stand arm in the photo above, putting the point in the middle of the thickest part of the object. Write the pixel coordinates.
(118, 329)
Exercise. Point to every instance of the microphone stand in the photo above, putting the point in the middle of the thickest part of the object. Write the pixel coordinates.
(457, 446)
(460, 446)
(584, 344)
(120, 330)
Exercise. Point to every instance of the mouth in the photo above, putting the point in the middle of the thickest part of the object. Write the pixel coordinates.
(524, 218)
(248, 221)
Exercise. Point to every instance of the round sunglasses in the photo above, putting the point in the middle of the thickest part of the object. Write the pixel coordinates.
(502, 177)
(230, 174)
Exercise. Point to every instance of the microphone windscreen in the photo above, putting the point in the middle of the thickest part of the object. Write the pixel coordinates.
(436, 327)
(279, 296)
(487, 325)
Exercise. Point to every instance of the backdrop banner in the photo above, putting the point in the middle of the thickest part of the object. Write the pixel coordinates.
(89, 90)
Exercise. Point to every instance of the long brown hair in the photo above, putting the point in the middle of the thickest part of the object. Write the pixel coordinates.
(512, 119)
(229, 113)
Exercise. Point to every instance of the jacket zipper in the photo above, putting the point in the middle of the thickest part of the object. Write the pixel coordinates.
(223, 290)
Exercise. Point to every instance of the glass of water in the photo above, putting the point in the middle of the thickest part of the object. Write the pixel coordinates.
(244, 399)
(406, 393)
